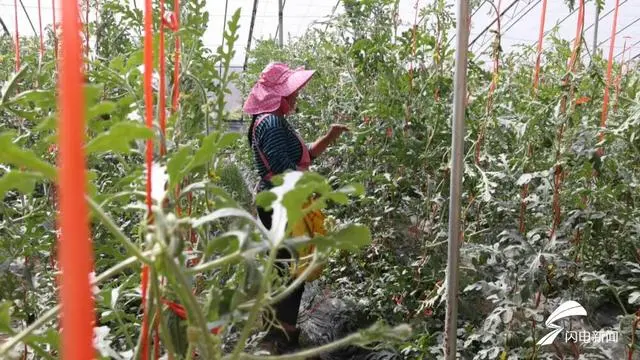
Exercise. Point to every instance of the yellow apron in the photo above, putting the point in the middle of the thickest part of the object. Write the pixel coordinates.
(312, 224)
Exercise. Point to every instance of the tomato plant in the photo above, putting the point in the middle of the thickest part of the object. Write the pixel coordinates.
(517, 266)
(210, 260)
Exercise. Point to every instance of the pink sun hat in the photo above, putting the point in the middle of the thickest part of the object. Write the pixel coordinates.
(276, 81)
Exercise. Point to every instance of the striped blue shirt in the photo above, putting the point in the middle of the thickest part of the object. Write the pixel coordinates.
(279, 144)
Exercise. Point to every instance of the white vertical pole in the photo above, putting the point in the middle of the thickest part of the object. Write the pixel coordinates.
(457, 170)
(280, 23)
(595, 30)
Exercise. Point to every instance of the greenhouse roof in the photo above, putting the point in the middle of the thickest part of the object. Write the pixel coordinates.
(519, 24)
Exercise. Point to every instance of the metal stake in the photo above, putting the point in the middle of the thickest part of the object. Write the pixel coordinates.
(280, 23)
(457, 169)
(595, 30)
(253, 22)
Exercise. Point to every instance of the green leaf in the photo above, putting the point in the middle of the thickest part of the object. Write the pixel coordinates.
(210, 146)
(222, 197)
(14, 155)
(634, 297)
(227, 243)
(25, 114)
(119, 137)
(264, 199)
(228, 139)
(49, 123)
(117, 63)
(135, 59)
(222, 213)
(5, 317)
(103, 108)
(24, 182)
(207, 149)
(338, 197)
(294, 201)
(176, 165)
(10, 85)
(93, 93)
(43, 98)
(49, 336)
(352, 237)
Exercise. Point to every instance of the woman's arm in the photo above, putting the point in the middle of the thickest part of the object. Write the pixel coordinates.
(320, 146)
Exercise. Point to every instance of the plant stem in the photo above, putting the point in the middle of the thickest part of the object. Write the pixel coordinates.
(297, 282)
(148, 308)
(190, 303)
(127, 336)
(49, 315)
(40, 351)
(189, 354)
(122, 194)
(615, 294)
(115, 230)
(310, 353)
(35, 347)
(239, 255)
(166, 337)
(291, 288)
(233, 257)
(255, 309)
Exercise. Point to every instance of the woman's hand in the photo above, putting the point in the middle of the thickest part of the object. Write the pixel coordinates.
(336, 130)
(320, 145)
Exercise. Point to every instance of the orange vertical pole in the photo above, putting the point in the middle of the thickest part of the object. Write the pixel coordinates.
(578, 40)
(75, 253)
(536, 81)
(558, 171)
(148, 100)
(619, 76)
(536, 76)
(162, 105)
(605, 103)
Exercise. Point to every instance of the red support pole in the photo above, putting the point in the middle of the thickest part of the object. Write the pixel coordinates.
(75, 252)
(148, 100)
(162, 105)
(619, 76)
(536, 76)
(605, 103)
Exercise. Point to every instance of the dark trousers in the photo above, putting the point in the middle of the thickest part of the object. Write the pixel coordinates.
(287, 309)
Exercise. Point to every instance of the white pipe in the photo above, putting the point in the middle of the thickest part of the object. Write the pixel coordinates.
(280, 23)
(595, 30)
(457, 169)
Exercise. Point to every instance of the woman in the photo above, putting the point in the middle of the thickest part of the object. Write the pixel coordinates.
(277, 147)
